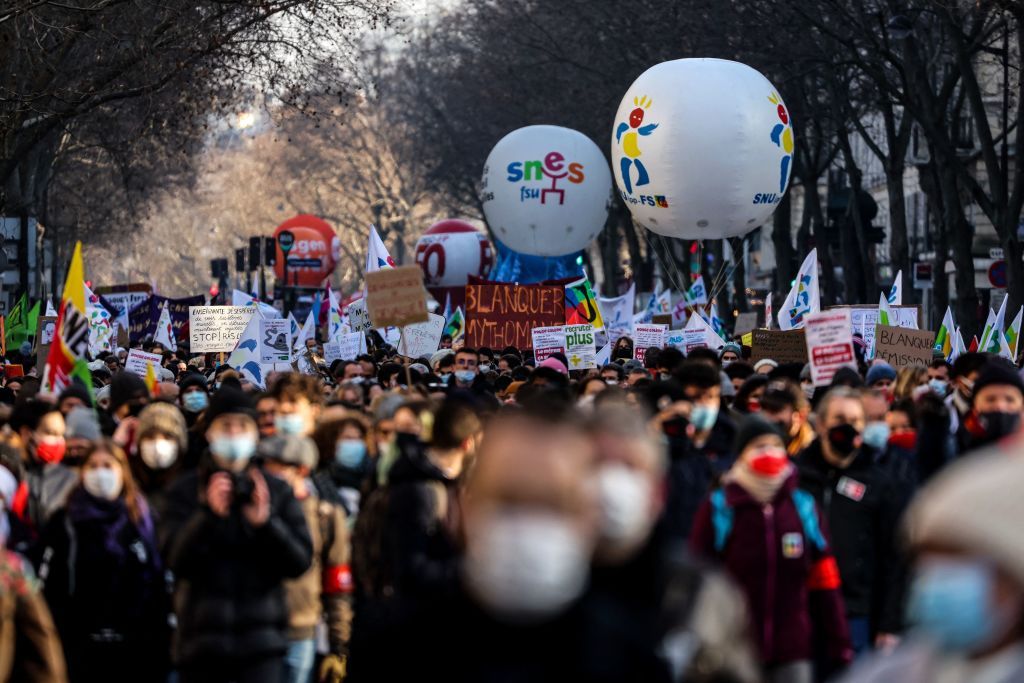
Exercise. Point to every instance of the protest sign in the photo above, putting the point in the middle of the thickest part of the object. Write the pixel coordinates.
(580, 347)
(47, 327)
(829, 344)
(275, 341)
(782, 347)
(345, 347)
(358, 317)
(217, 328)
(501, 314)
(864, 318)
(647, 336)
(745, 322)
(143, 318)
(900, 347)
(125, 297)
(548, 340)
(662, 319)
(676, 339)
(396, 297)
(421, 339)
(139, 360)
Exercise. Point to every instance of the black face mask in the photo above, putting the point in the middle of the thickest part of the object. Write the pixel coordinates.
(675, 427)
(997, 425)
(841, 439)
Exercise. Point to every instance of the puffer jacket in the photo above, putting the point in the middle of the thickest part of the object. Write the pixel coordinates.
(230, 597)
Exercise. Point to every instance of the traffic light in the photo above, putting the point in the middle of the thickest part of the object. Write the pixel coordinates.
(876, 234)
(254, 252)
(269, 251)
(240, 260)
(219, 268)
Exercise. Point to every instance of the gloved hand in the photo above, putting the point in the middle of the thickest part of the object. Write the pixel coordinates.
(332, 669)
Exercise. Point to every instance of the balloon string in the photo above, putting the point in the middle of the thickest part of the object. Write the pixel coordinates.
(666, 245)
(664, 268)
(721, 283)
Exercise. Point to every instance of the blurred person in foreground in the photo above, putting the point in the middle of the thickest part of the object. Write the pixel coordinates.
(103, 576)
(667, 617)
(30, 649)
(324, 591)
(772, 539)
(966, 606)
(232, 534)
(40, 429)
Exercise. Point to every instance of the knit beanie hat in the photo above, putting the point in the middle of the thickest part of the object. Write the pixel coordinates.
(165, 419)
(230, 401)
(971, 505)
(751, 428)
(81, 423)
(998, 372)
(732, 346)
(880, 371)
(124, 387)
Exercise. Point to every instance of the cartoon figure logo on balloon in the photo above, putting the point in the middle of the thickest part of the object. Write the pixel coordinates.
(553, 167)
(630, 143)
(782, 136)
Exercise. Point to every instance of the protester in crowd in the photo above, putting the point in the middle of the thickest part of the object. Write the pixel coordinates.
(232, 534)
(81, 430)
(748, 396)
(738, 372)
(862, 502)
(346, 461)
(466, 365)
(881, 376)
(74, 396)
(635, 372)
(772, 539)
(645, 592)
(997, 404)
(161, 441)
(938, 377)
(965, 371)
(299, 402)
(103, 576)
(730, 353)
(30, 648)
(324, 591)
(966, 600)
(765, 366)
(587, 389)
(622, 350)
(785, 405)
(612, 374)
(406, 547)
(40, 430)
(909, 381)
(193, 397)
(266, 409)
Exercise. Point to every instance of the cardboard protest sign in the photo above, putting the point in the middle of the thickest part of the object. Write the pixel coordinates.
(581, 349)
(548, 340)
(662, 319)
(139, 360)
(396, 296)
(217, 328)
(501, 314)
(782, 347)
(275, 341)
(900, 347)
(829, 344)
(745, 322)
(422, 339)
(864, 318)
(647, 336)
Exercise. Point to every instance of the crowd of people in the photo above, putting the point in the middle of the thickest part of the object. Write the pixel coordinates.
(480, 516)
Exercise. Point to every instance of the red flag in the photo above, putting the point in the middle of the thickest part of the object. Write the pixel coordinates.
(974, 344)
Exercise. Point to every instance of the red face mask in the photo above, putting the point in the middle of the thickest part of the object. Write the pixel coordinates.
(769, 462)
(51, 451)
(754, 405)
(905, 438)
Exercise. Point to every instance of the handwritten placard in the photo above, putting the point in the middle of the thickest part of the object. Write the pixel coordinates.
(504, 314)
(547, 341)
(829, 344)
(217, 328)
(783, 347)
(139, 360)
(900, 347)
(421, 339)
(396, 297)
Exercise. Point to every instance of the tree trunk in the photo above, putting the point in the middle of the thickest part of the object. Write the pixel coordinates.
(898, 243)
(739, 276)
(928, 181)
(782, 240)
(816, 222)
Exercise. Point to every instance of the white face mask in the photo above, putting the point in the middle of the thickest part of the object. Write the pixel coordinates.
(625, 498)
(526, 565)
(103, 482)
(158, 454)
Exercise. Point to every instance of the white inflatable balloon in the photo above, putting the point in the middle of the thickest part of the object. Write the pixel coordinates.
(546, 190)
(702, 148)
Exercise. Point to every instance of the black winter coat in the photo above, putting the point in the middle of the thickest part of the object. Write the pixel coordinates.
(230, 595)
(862, 505)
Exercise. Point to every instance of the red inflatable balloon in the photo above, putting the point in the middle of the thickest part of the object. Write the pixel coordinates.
(449, 252)
(315, 251)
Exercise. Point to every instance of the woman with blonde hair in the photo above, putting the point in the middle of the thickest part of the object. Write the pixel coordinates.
(103, 578)
(907, 380)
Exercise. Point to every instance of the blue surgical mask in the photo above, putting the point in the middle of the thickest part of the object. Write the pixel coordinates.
(234, 449)
(939, 386)
(951, 603)
(350, 453)
(289, 424)
(465, 376)
(195, 401)
(876, 434)
(703, 416)
(485, 367)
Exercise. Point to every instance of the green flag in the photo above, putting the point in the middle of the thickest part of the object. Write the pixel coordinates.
(16, 328)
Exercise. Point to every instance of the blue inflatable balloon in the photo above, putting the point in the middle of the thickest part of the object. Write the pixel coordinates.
(513, 266)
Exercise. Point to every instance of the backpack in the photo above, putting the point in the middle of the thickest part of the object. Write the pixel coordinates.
(722, 518)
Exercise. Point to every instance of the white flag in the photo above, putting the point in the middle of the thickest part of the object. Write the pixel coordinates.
(246, 356)
(308, 331)
(240, 298)
(377, 256)
(896, 293)
(697, 294)
(803, 298)
(768, 311)
(165, 332)
(617, 313)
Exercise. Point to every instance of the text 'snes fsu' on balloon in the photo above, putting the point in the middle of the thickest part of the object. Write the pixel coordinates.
(702, 149)
(546, 190)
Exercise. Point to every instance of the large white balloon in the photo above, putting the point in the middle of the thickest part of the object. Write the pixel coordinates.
(546, 190)
(702, 148)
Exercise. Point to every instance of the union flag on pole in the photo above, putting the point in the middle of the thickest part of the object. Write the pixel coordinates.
(67, 358)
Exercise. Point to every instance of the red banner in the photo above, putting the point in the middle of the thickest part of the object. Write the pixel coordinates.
(502, 314)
